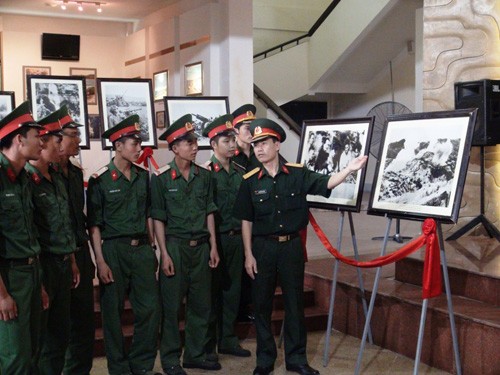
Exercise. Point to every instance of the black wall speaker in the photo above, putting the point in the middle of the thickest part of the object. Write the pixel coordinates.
(485, 96)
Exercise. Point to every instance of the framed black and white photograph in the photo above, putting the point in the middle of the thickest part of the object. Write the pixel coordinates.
(94, 127)
(121, 98)
(90, 75)
(423, 165)
(49, 93)
(327, 146)
(7, 103)
(203, 109)
(193, 79)
(160, 85)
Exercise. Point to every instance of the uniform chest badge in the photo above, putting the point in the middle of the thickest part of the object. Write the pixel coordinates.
(173, 174)
(260, 192)
(114, 175)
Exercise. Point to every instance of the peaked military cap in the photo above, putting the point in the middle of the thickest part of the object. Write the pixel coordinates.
(220, 125)
(65, 119)
(245, 113)
(179, 129)
(51, 124)
(263, 127)
(19, 117)
(128, 127)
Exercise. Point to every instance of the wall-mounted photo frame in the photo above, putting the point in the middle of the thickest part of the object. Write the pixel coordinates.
(7, 103)
(327, 146)
(94, 127)
(160, 119)
(203, 109)
(120, 98)
(33, 71)
(90, 75)
(423, 165)
(160, 85)
(49, 93)
(193, 79)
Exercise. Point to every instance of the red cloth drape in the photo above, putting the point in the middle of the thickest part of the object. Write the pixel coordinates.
(431, 278)
(147, 153)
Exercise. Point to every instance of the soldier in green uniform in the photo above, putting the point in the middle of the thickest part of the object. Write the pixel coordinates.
(20, 271)
(273, 208)
(182, 207)
(57, 242)
(118, 207)
(245, 157)
(79, 354)
(244, 154)
(226, 283)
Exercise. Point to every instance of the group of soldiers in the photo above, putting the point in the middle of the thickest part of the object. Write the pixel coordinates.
(240, 211)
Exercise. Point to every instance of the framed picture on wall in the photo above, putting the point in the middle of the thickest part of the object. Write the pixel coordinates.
(423, 164)
(7, 103)
(33, 71)
(49, 93)
(327, 146)
(94, 127)
(203, 109)
(90, 82)
(121, 98)
(160, 85)
(193, 79)
(160, 119)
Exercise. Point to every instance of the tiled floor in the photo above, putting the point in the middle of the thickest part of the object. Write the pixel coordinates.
(342, 359)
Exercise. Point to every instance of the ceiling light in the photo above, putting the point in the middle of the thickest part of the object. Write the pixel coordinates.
(99, 9)
(80, 7)
(63, 5)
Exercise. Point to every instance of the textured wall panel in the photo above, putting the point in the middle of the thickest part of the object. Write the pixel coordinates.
(462, 43)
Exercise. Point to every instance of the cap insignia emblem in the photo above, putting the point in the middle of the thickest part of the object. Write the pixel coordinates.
(249, 113)
(258, 130)
(188, 126)
(229, 125)
(137, 126)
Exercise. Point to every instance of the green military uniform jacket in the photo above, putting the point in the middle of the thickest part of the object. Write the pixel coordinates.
(278, 205)
(76, 194)
(226, 185)
(182, 205)
(117, 206)
(245, 162)
(52, 215)
(18, 233)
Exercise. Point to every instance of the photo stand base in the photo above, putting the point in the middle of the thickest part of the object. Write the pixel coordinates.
(492, 231)
(421, 329)
(397, 237)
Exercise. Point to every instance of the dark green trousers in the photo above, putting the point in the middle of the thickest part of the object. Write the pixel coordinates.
(134, 271)
(80, 352)
(192, 280)
(286, 260)
(54, 338)
(226, 288)
(19, 338)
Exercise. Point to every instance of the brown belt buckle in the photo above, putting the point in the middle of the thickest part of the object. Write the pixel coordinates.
(134, 242)
(193, 243)
(283, 238)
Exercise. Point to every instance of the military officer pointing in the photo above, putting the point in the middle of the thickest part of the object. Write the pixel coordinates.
(273, 208)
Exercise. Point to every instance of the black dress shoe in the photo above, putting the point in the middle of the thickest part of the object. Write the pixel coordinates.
(263, 370)
(237, 351)
(174, 370)
(204, 365)
(302, 369)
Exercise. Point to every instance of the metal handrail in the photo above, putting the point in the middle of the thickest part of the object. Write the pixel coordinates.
(276, 109)
(310, 33)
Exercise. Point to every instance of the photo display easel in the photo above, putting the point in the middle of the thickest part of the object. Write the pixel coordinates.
(327, 146)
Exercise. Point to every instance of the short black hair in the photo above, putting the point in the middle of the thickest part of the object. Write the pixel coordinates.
(6, 142)
(124, 139)
(220, 135)
(186, 137)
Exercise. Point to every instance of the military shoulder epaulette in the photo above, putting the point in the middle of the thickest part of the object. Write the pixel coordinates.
(202, 166)
(162, 169)
(296, 165)
(141, 166)
(251, 173)
(76, 163)
(99, 172)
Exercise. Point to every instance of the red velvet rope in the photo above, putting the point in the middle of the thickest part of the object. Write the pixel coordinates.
(431, 278)
(147, 153)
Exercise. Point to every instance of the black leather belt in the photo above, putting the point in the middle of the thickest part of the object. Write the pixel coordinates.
(132, 241)
(283, 238)
(233, 232)
(186, 242)
(59, 257)
(18, 262)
